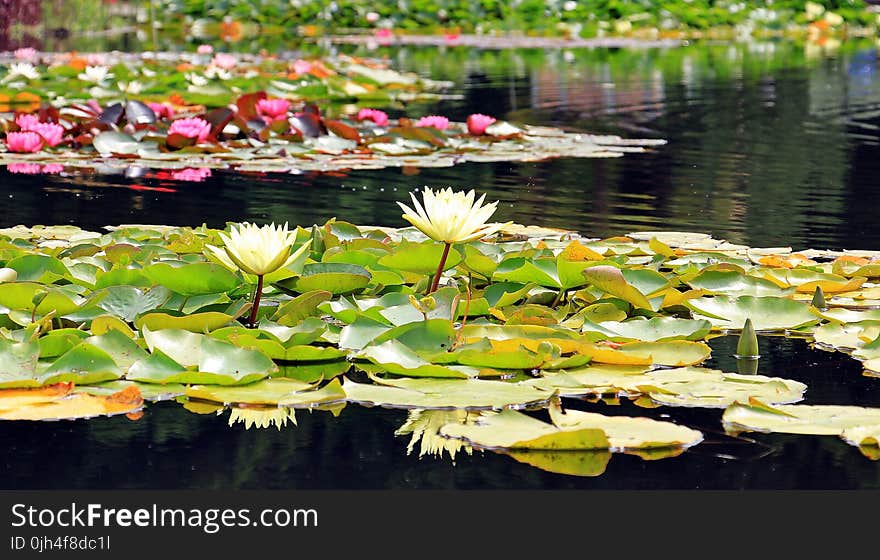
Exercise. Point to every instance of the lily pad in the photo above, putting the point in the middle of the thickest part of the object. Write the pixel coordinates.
(278, 391)
(78, 405)
(766, 313)
(445, 394)
(797, 419)
(573, 430)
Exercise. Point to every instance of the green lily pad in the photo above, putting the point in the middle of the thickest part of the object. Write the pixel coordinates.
(18, 363)
(157, 368)
(420, 258)
(766, 313)
(313, 372)
(215, 361)
(57, 342)
(120, 347)
(336, 278)
(195, 322)
(38, 268)
(192, 279)
(396, 358)
(83, 364)
(658, 329)
(797, 418)
(304, 305)
(444, 393)
(611, 280)
(735, 284)
(266, 391)
(127, 302)
(35, 297)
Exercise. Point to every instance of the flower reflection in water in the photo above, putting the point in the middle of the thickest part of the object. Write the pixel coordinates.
(34, 168)
(197, 174)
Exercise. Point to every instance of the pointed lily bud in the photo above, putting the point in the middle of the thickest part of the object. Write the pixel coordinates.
(818, 298)
(747, 347)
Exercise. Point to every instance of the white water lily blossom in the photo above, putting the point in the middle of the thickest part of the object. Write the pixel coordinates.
(257, 250)
(95, 74)
(23, 69)
(132, 88)
(451, 217)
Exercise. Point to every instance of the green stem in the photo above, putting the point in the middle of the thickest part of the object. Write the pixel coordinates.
(256, 307)
(558, 299)
(436, 281)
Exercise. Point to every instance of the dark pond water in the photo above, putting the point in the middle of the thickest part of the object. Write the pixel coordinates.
(769, 144)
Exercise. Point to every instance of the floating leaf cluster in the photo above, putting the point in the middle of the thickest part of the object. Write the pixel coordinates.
(195, 112)
(96, 323)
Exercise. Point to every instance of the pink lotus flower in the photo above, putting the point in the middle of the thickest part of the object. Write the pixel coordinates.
(301, 66)
(375, 115)
(51, 132)
(24, 142)
(435, 121)
(205, 49)
(25, 53)
(197, 174)
(477, 123)
(162, 110)
(272, 110)
(26, 122)
(25, 168)
(191, 128)
(96, 60)
(383, 33)
(224, 61)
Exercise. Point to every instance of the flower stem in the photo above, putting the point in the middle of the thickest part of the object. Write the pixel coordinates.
(436, 281)
(256, 307)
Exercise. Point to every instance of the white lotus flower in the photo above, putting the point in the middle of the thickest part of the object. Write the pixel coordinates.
(451, 217)
(217, 72)
(257, 250)
(132, 88)
(23, 69)
(95, 74)
(196, 80)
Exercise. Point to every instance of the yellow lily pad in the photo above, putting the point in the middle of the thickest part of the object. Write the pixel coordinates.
(78, 405)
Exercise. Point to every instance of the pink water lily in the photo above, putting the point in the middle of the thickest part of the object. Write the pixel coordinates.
(191, 128)
(271, 110)
(25, 121)
(434, 121)
(162, 110)
(205, 49)
(225, 61)
(24, 142)
(375, 115)
(25, 53)
(196, 174)
(301, 66)
(51, 132)
(477, 123)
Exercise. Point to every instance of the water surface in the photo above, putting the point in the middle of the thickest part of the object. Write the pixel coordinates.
(769, 144)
